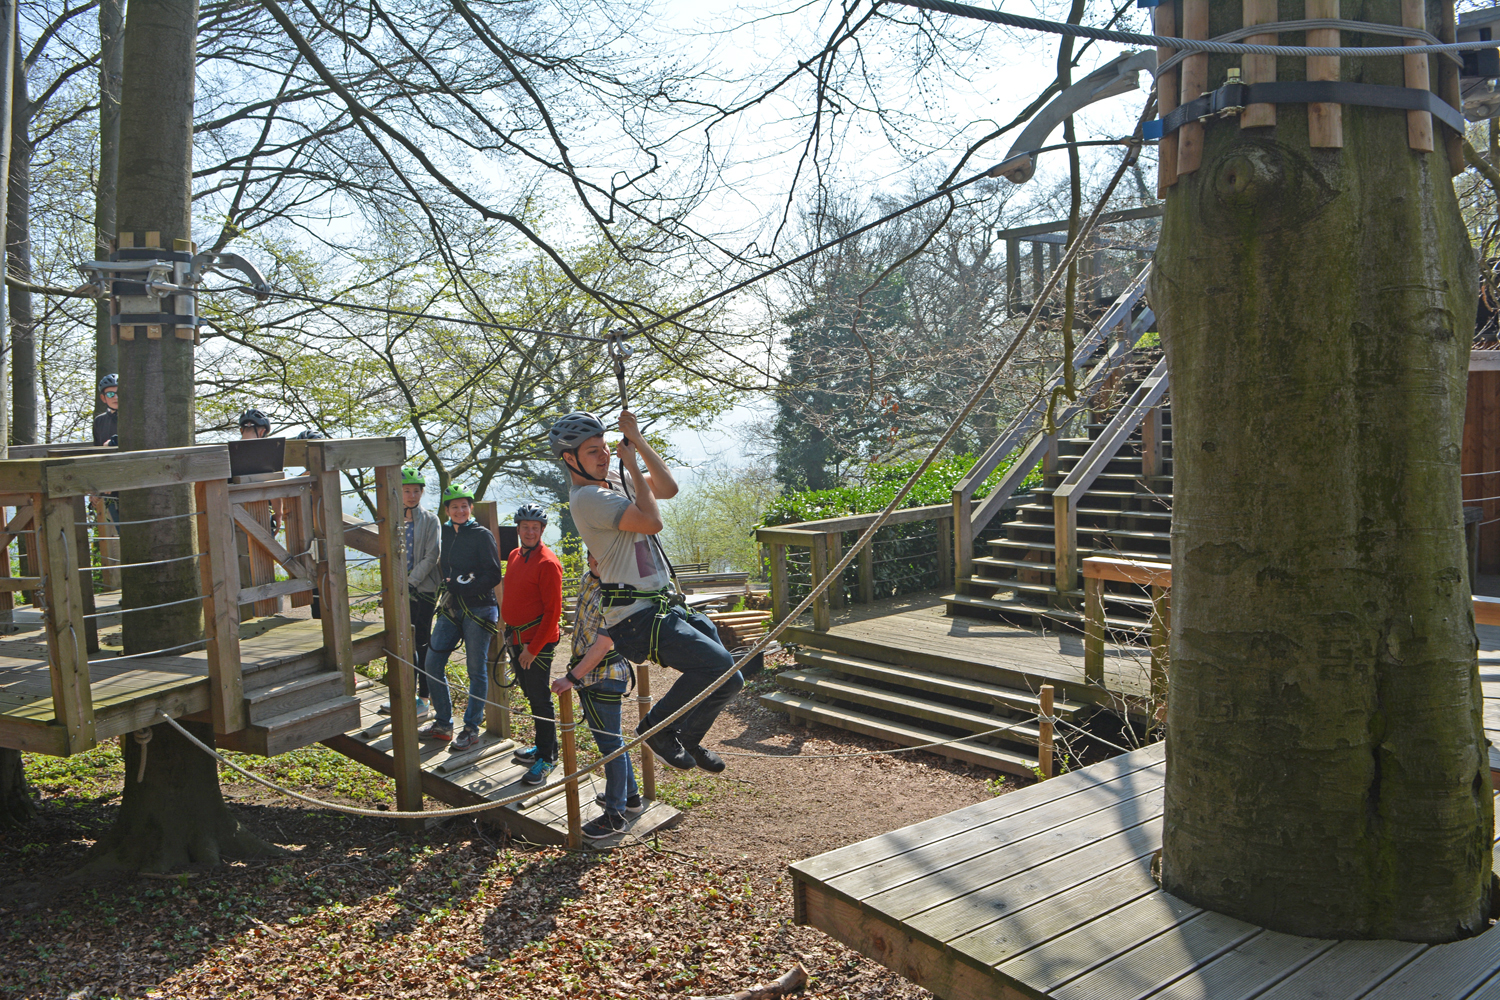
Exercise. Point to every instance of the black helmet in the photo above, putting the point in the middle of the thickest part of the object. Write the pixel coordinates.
(572, 430)
(254, 418)
(109, 382)
(531, 512)
(304, 436)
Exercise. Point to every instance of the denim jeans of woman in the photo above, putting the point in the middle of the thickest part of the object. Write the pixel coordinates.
(601, 707)
(446, 635)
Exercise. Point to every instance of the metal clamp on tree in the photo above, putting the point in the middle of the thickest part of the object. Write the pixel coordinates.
(151, 288)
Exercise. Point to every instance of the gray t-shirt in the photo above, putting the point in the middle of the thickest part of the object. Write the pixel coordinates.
(624, 556)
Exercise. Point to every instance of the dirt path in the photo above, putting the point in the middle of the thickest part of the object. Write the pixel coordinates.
(357, 910)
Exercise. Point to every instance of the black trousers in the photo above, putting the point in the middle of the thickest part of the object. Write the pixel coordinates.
(536, 685)
(422, 610)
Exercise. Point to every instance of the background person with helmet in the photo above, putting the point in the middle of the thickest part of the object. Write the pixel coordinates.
(254, 424)
(531, 610)
(423, 579)
(107, 424)
(470, 569)
(643, 616)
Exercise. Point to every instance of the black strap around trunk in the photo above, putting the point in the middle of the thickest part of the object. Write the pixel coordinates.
(1232, 98)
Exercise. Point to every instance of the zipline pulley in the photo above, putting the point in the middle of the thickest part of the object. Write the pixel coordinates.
(619, 351)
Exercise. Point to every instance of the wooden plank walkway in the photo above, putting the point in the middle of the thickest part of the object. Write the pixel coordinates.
(487, 773)
(1047, 892)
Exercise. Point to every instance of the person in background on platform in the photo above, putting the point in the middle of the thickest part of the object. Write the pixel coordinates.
(602, 676)
(646, 619)
(254, 424)
(422, 577)
(531, 610)
(107, 424)
(469, 565)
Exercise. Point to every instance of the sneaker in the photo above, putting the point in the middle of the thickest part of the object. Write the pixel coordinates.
(607, 824)
(424, 709)
(436, 732)
(665, 745)
(538, 772)
(467, 740)
(384, 709)
(633, 805)
(706, 758)
(527, 756)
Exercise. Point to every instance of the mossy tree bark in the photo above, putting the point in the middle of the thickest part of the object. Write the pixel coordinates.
(16, 803)
(1326, 770)
(176, 815)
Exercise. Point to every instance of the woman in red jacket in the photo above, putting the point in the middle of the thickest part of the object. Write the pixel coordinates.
(531, 609)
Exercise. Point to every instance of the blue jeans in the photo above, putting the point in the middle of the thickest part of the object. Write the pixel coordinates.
(689, 644)
(601, 707)
(446, 635)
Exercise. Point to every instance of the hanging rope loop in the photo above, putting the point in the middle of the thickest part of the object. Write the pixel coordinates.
(142, 739)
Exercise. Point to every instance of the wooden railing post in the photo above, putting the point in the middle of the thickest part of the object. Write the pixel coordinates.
(570, 764)
(1161, 627)
(333, 575)
(1093, 630)
(1151, 443)
(297, 514)
(822, 619)
(944, 525)
(780, 595)
(219, 573)
(496, 719)
(85, 572)
(1044, 734)
(108, 537)
(963, 538)
(834, 545)
(643, 708)
(867, 573)
(1065, 538)
(7, 597)
(399, 677)
(63, 620)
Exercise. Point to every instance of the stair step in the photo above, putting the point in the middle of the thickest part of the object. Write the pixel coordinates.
(1039, 611)
(279, 699)
(1160, 536)
(1163, 515)
(888, 673)
(1018, 564)
(1134, 600)
(298, 728)
(275, 670)
(1011, 544)
(902, 733)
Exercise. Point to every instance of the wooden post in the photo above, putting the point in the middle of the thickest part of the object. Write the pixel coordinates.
(333, 576)
(86, 572)
(643, 708)
(496, 719)
(1164, 23)
(1093, 630)
(108, 538)
(1065, 540)
(63, 621)
(944, 527)
(1418, 123)
(1161, 629)
(570, 764)
(1151, 456)
(867, 573)
(963, 539)
(1259, 69)
(219, 571)
(399, 676)
(1194, 84)
(297, 512)
(1044, 738)
(822, 619)
(1325, 122)
(834, 542)
(781, 601)
(7, 598)
(1012, 274)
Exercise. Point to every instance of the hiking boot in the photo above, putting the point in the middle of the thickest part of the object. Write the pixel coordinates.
(706, 758)
(665, 745)
(436, 732)
(608, 824)
(633, 805)
(538, 772)
(527, 756)
(467, 740)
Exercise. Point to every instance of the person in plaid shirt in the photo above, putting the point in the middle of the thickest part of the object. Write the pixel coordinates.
(602, 676)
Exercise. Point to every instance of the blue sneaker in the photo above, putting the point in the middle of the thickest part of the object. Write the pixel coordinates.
(538, 772)
(527, 756)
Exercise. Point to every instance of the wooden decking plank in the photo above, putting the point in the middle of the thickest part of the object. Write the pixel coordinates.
(1098, 941)
(960, 916)
(1347, 970)
(919, 889)
(1163, 959)
(1444, 971)
(847, 859)
(1489, 991)
(1037, 924)
(1247, 969)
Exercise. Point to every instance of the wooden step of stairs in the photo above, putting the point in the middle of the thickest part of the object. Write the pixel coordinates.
(807, 709)
(296, 728)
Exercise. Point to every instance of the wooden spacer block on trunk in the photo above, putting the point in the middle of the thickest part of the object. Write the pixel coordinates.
(1418, 123)
(1164, 23)
(1259, 69)
(1325, 122)
(1194, 86)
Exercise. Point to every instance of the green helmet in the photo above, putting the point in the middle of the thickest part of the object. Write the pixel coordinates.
(456, 492)
(411, 477)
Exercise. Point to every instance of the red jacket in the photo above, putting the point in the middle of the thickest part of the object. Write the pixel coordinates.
(533, 589)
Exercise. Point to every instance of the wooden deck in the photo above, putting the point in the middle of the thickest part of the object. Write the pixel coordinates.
(487, 773)
(131, 693)
(1047, 892)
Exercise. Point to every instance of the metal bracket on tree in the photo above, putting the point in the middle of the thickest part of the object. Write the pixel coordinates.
(151, 288)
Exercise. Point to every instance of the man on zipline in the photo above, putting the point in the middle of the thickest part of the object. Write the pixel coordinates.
(531, 610)
(618, 521)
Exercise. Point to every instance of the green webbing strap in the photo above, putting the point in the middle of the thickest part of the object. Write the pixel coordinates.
(446, 611)
(616, 594)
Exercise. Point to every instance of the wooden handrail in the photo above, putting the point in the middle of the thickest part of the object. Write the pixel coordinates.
(1064, 499)
(1147, 574)
(275, 489)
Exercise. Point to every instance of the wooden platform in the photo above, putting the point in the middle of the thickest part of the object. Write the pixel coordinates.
(487, 773)
(1047, 892)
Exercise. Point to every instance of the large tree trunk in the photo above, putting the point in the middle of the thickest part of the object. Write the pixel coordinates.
(176, 815)
(111, 68)
(18, 241)
(1326, 771)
